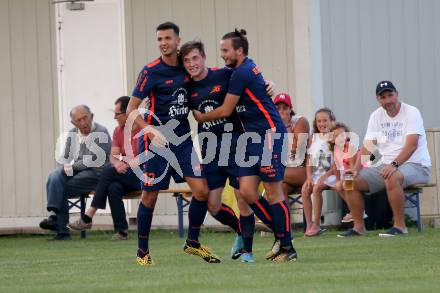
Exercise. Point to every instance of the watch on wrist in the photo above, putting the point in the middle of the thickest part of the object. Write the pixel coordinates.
(395, 164)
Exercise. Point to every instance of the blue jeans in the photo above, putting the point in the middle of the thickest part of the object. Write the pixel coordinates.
(115, 185)
(61, 187)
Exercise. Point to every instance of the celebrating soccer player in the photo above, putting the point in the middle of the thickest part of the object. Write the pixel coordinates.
(166, 145)
(260, 119)
(207, 90)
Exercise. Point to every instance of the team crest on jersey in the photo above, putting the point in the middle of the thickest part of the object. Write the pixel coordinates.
(208, 108)
(180, 106)
(181, 99)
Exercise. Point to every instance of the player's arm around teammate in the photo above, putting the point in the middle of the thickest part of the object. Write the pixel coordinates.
(259, 115)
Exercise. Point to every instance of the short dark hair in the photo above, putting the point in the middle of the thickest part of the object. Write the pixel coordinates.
(239, 40)
(191, 45)
(168, 26)
(330, 113)
(124, 103)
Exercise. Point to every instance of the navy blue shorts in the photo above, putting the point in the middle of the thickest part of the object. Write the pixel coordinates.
(216, 177)
(221, 164)
(268, 162)
(163, 163)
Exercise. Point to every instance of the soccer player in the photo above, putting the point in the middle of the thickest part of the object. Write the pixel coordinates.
(259, 115)
(164, 83)
(207, 90)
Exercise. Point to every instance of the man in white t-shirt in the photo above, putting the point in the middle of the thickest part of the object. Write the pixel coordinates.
(396, 134)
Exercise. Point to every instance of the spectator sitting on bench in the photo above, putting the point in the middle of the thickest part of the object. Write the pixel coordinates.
(295, 173)
(396, 131)
(344, 158)
(89, 143)
(116, 179)
(319, 172)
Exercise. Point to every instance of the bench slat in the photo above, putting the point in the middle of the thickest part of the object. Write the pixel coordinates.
(138, 193)
(418, 187)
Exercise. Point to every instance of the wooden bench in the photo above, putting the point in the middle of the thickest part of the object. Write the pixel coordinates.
(181, 195)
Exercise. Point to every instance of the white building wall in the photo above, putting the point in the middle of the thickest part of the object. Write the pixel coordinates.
(28, 112)
(364, 42)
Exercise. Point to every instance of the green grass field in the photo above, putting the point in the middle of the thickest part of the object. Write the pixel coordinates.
(325, 264)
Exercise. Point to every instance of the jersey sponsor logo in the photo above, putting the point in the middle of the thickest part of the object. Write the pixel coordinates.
(180, 107)
(208, 124)
(176, 111)
(240, 109)
(216, 89)
(193, 95)
(206, 107)
(170, 81)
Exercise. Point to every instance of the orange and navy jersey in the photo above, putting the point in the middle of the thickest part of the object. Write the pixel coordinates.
(166, 88)
(255, 108)
(208, 94)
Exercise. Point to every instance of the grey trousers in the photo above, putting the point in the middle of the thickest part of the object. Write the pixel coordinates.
(61, 187)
